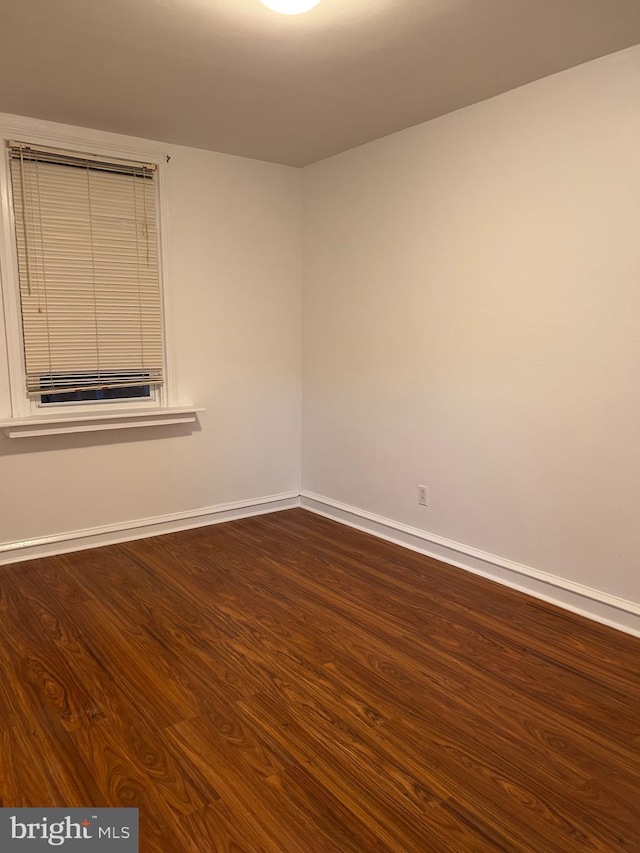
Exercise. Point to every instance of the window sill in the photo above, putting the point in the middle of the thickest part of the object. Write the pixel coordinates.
(122, 419)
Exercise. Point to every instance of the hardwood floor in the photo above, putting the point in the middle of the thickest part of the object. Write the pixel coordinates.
(284, 683)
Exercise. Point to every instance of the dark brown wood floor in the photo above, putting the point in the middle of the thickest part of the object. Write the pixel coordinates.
(284, 683)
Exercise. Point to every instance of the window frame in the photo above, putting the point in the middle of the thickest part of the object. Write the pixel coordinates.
(86, 143)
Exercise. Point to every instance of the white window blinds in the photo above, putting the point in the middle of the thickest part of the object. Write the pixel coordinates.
(87, 245)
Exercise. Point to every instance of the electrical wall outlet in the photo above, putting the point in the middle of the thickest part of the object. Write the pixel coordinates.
(423, 495)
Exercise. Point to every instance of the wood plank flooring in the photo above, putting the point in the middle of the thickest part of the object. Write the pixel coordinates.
(284, 683)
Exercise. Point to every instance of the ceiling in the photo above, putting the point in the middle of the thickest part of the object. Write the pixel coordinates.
(232, 76)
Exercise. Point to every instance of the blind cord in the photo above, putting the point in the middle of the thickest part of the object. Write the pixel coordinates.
(93, 270)
(44, 272)
(135, 218)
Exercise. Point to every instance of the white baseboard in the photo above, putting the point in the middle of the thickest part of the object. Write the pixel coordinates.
(592, 603)
(141, 528)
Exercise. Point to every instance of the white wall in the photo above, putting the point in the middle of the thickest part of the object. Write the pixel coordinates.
(234, 272)
(472, 322)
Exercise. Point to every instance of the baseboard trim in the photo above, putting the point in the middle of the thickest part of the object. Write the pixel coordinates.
(592, 603)
(142, 528)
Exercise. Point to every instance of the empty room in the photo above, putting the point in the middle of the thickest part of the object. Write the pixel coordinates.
(320, 426)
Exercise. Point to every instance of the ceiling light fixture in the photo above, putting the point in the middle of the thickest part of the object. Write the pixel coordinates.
(290, 7)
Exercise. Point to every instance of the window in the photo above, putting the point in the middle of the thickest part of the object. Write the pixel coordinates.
(73, 389)
(86, 246)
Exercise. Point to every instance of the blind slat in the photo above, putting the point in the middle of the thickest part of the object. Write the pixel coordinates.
(25, 151)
